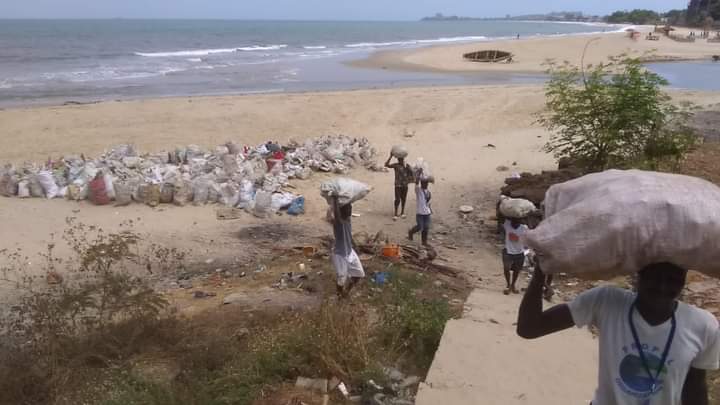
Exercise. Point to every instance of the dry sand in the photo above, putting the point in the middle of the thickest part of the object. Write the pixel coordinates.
(452, 127)
(531, 55)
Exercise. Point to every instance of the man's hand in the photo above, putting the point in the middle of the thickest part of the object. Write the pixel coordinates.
(533, 322)
(387, 163)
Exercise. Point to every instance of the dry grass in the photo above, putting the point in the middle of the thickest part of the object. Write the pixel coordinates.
(108, 338)
(704, 162)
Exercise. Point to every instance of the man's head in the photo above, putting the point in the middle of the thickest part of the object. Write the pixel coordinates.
(660, 284)
(346, 211)
(401, 160)
(515, 222)
(424, 184)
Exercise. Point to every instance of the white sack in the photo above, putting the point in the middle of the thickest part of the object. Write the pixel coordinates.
(620, 221)
(516, 207)
(399, 151)
(347, 190)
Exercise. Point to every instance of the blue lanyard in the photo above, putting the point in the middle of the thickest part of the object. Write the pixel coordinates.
(666, 351)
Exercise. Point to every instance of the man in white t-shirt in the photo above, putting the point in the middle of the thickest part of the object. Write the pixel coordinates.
(654, 349)
(513, 255)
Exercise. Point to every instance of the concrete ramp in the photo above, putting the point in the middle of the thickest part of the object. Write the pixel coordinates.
(482, 361)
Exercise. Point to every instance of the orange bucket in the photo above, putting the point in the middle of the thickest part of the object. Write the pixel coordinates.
(391, 251)
(309, 251)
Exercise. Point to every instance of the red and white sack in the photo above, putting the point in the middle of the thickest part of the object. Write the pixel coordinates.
(617, 222)
(97, 191)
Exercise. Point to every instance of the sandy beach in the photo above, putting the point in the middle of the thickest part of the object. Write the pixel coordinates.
(465, 133)
(531, 55)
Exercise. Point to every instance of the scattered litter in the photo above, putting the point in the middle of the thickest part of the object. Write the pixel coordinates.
(343, 389)
(316, 384)
(409, 382)
(203, 294)
(466, 209)
(53, 278)
(235, 297)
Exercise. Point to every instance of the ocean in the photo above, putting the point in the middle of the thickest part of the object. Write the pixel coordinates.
(55, 61)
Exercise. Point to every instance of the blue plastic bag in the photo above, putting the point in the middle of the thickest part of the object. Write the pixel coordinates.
(297, 207)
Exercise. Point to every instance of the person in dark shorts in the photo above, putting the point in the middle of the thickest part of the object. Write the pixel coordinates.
(513, 255)
(403, 177)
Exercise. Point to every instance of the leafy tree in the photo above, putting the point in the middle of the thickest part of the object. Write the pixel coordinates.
(614, 115)
(676, 17)
(699, 10)
(636, 16)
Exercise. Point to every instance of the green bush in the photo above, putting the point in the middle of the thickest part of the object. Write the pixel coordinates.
(614, 115)
(411, 326)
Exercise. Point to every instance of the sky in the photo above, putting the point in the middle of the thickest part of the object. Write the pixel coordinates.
(312, 9)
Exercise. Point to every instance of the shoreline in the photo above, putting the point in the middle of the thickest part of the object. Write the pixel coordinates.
(332, 73)
(530, 54)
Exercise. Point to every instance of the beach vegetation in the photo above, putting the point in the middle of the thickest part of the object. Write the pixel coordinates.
(637, 16)
(93, 329)
(614, 115)
(702, 12)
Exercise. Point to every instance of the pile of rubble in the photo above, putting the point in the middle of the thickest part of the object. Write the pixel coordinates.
(251, 178)
(532, 187)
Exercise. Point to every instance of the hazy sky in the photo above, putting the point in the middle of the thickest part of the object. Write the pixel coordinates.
(310, 9)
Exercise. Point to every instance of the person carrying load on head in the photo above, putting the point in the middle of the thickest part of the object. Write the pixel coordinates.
(403, 177)
(654, 348)
(424, 209)
(513, 254)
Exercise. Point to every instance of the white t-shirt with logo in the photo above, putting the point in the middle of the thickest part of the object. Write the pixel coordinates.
(514, 238)
(623, 379)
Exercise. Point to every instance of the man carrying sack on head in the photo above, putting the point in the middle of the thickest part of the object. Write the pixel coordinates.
(654, 349)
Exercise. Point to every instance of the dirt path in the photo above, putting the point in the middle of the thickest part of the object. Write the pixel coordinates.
(482, 361)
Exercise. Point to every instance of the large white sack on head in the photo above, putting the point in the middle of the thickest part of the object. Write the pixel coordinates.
(47, 182)
(421, 169)
(620, 221)
(347, 190)
(516, 207)
(399, 151)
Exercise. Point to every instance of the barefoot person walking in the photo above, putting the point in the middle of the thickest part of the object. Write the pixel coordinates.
(403, 177)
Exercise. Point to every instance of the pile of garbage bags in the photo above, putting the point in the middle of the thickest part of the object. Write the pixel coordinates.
(253, 178)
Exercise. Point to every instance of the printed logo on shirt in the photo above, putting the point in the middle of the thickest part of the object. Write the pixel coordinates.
(513, 237)
(634, 379)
